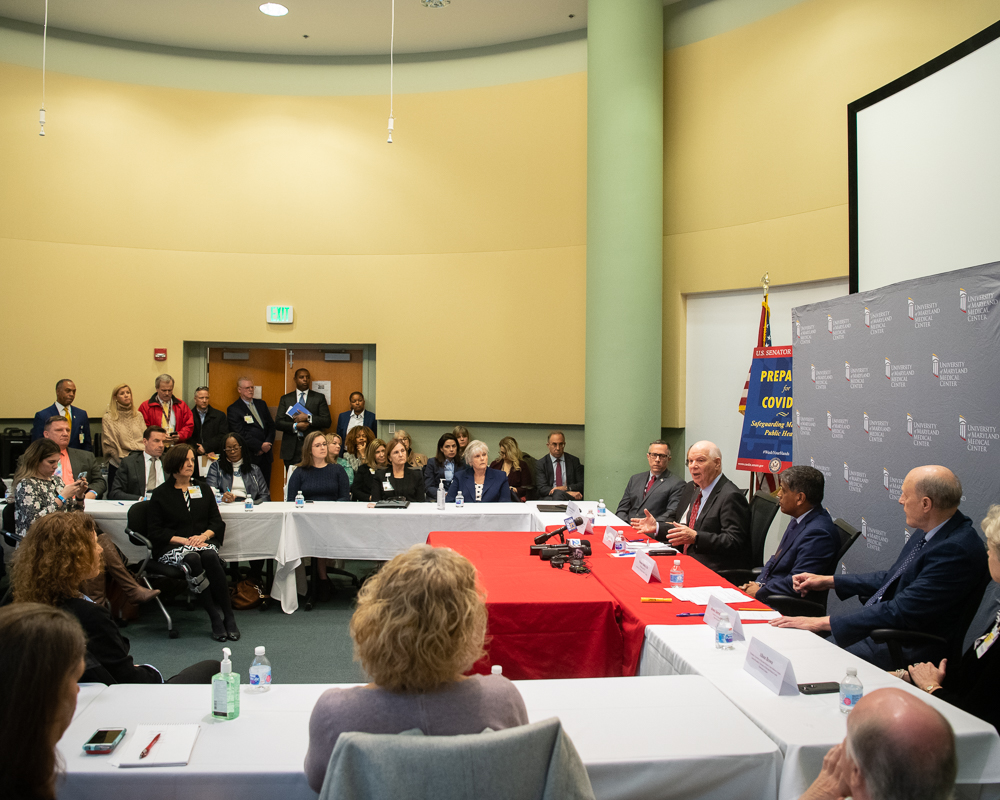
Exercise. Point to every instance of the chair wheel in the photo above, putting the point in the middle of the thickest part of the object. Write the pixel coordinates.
(309, 606)
(173, 633)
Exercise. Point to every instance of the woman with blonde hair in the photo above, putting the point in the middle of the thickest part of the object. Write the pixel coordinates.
(511, 462)
(41, 660)
(413, 459)
(59, 556)
(122, 427)
(364, 475)
(356, 445)
(419, 626)
(336, 445)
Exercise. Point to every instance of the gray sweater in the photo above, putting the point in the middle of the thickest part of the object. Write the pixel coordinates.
(467, 706)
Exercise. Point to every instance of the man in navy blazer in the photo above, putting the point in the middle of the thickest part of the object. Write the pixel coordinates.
(810, 542)
(356, 416)
(927, 587)
(79, 435)
(652, 494)
(251, 419)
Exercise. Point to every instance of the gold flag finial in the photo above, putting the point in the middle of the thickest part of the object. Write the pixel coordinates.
(765, 282)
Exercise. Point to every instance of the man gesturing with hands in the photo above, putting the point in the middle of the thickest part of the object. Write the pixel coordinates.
(923, 591)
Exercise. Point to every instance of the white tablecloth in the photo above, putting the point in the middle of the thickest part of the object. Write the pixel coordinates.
(639, 738)
(336, 530)
(805, 727)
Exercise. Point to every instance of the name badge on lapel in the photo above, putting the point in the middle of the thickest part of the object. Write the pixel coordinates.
(386, 485)
(194, 492)
(248, 419)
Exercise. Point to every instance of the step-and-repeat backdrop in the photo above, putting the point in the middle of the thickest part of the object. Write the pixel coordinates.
(893, 379)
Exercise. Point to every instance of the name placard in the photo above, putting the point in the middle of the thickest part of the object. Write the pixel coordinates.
(573, 509)
(713, 611)
(645, 567)
(771, 668)
(609, 537)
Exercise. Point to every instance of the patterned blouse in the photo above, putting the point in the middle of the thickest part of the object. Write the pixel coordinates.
(36, 497)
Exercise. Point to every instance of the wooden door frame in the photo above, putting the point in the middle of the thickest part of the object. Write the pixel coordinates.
(195, 367)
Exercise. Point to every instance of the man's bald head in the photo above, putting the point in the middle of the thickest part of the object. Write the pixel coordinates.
(704, 462)
(900, 747)
(929, 496)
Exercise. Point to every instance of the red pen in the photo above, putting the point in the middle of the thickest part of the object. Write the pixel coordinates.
(149, 746)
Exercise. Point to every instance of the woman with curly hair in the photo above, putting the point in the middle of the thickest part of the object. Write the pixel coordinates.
(41, 661)
(356, 445)
(60, 553)
(39, 492)
(419, 626)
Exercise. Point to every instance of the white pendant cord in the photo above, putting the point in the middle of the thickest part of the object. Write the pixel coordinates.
(45, 31)
(392, 38)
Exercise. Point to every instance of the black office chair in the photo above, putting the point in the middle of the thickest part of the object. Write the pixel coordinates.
(763, 509)
(792, 606)
(11, 538)
(135, 530)
(950, 648)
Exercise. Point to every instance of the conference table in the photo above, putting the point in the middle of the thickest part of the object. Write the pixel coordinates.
(352, 531)
(639, 738)
(805, 727)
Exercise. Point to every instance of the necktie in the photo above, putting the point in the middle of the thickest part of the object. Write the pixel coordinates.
(151, 477)
(302, 398)
(649, 483)
(298, 431)
(696, 506)
(69, 417)
(559, 480)
(256, 416)
(875, 598)
(782, 546)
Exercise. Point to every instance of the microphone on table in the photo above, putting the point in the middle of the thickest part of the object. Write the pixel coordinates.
(542, 538)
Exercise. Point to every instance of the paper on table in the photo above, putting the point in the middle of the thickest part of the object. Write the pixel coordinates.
(758, 616)
(172, 750)
(699, 595)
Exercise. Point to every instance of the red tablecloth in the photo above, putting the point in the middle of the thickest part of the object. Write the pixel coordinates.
(543, 622)
(616, 575)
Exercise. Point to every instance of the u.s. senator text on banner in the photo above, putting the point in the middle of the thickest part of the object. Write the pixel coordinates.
(766, 443)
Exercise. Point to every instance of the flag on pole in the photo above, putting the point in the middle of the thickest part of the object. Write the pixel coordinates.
(763, 340)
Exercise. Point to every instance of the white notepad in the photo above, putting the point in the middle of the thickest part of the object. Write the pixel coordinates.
(172, 750)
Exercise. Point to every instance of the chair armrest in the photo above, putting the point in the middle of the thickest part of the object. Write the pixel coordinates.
(139, 540)
(12, 539)
(790, 606)
(882, 635)
(737, 576)
(756, 572)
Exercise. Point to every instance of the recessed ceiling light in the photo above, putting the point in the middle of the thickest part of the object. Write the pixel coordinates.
(435, 3)
(274, 9)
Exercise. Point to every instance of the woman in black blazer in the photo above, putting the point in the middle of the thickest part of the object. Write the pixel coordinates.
(364, 475)
(186, 529)
(443, 466)
(972, 683)
(398, 479)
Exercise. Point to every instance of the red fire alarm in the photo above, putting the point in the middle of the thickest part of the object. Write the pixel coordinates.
(160, 353)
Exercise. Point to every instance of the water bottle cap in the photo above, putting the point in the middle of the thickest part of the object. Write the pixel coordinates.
(677, 562)
(496, 669)
(724, 616)
(601, 500)
(852, 671)
(258, 651)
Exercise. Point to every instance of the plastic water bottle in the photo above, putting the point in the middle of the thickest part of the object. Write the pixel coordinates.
(248, 503)
(676, 576)
(619, 542)
(459, 500)
(724, 633)
(442, 495)
(496, 669)
(850, 690)
(300, 501)
(602, 509)
(218, 497)
(260, 672)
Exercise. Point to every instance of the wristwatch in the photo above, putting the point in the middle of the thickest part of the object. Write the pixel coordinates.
(931, 687)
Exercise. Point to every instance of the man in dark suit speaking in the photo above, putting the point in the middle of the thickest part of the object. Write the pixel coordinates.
(927, 587)
(294, 429)
(654, 494)
(810, 541)
(712, 519)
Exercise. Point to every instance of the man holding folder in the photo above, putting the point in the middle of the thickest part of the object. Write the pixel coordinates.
(300, 412)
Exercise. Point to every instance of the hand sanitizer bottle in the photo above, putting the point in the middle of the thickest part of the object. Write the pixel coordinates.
(226, 689)
(442, 495)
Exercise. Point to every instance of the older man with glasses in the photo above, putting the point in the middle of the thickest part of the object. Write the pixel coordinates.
(651, 496)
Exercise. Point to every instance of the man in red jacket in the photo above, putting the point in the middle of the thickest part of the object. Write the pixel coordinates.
(169, 412)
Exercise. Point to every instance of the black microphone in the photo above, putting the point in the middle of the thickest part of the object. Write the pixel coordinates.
(542, 538)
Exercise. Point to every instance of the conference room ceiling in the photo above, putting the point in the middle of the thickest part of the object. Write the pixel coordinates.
(333, 27)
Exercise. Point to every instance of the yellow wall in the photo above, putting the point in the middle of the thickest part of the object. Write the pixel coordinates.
(149, 216)
(755, 167)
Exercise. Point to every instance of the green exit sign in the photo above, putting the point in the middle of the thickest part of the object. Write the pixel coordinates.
(279, 314)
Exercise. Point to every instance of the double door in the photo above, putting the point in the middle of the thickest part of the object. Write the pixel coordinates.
(273, 373)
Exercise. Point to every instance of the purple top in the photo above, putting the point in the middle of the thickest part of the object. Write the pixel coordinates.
(466, 706)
